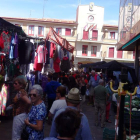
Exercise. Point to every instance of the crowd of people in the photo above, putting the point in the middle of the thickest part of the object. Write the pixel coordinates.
(60, 104)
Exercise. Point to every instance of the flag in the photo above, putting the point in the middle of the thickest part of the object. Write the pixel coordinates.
(94, 27)
(85, 28)
(90, 27)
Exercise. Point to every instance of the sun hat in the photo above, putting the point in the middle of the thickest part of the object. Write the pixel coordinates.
(74, 96)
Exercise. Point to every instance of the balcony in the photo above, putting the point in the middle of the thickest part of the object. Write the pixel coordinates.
(87, 38)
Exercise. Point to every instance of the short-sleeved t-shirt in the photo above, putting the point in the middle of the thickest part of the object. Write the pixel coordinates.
(58, 104)
(100, 94)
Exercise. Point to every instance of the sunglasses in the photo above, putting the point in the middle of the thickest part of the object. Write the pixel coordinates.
(34, 95)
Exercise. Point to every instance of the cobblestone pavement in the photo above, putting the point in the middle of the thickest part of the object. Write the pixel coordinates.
(88, 110)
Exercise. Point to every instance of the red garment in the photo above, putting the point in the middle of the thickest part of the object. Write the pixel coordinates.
(72, 58)
(56, 65)
(86, 81)
(1, 42)
(37, 66)
(107, 110)
(53, 36)
(52, 48)
(65, 58)
(74, 75)
(95, 77)
(3, 38)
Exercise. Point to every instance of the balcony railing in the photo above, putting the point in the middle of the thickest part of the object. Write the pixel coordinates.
(89, 37)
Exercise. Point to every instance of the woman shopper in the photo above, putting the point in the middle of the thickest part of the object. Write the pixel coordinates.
(36, 117)
(67, 125)
(21, 105)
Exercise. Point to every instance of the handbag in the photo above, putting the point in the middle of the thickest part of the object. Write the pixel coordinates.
(24, 134)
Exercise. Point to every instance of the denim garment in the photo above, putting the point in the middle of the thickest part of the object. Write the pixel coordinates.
(83, 133)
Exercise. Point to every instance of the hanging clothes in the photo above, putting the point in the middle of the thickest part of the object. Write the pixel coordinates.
(11, 70)
(40, 57)
(25, 50)
(24, 68)
(56, 65)
(5, 42)
(12, 46)
(51, 63)
(33, 54)
(68, 55)
(11, 54)
(7, 60)
(48, 54)
(31, 78)
(37, 66)
(42, 52)
(52, 48)
(3, 99)
(16, 46)
(65, 64)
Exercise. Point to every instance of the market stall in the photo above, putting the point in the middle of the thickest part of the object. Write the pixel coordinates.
(132, 117)
(116, 66)
(32, 57)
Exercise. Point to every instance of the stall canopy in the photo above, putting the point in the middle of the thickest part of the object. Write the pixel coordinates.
(112, 65)
(54, 37)
(92, 65)
(7, 26)
(116, 66)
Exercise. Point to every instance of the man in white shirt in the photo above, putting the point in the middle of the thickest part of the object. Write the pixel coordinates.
(59, 103)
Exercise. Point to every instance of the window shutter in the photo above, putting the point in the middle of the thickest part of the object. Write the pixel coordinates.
(58, 31)
(42, 30)
(112, 35)
(29, 29)
(67, 32)
(84, 50)
(111, 52)
(32, 30)
(85, 35)
(93, 51)
(119, 54)
(94, 35)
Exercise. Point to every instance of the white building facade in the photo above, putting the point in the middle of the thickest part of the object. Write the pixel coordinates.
(89, 33)
(95, 41)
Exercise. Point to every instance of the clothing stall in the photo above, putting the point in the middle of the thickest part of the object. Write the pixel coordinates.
(60, 52)
(9, 35)
(32, 57)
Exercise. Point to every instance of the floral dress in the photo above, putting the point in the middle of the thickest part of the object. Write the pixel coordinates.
(37, 112)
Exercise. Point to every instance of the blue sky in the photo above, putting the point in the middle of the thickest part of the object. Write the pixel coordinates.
(58, 9)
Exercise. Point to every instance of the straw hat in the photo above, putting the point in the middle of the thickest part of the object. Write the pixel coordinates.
(74, 96)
